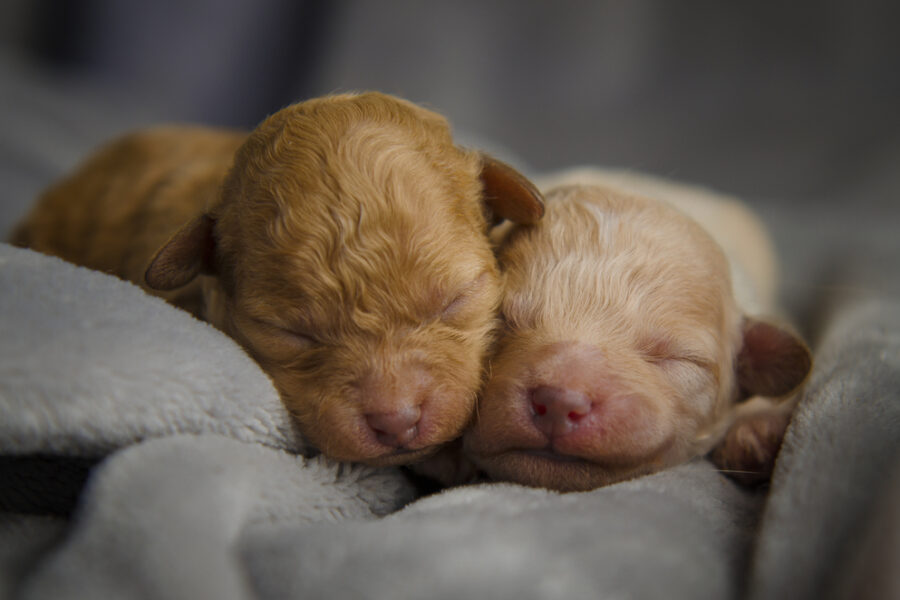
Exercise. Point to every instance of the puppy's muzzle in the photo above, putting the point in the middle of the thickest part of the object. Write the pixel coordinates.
(396, 428)
(557, 411)
(395, 406)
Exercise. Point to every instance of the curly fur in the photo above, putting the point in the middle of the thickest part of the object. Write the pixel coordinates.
(623, 305)
(342, 243)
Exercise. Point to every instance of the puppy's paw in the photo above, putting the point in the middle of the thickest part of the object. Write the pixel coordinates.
(748, 452)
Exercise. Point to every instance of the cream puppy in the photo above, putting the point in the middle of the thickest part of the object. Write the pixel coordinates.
(343, 243)
(637, 326)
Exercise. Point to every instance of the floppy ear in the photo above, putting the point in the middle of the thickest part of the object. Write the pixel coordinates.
(772, 362)
(508, 194)
(187, 254)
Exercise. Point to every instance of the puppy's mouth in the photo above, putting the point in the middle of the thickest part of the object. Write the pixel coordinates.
(545, 452)
(401, 456)
(550, 454)
(544, 467)
(607, 462)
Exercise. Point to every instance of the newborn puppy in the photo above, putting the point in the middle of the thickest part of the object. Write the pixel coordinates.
(631, 338)
(342, 243)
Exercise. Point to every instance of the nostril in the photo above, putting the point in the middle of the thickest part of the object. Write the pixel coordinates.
(558, 408)
(395, 428)
(394, 421)
(397, 440)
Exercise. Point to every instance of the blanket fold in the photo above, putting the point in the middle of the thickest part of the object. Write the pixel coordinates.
(841, 447)
(162, 519)
(175, 472)
(90, 363)
(684, 533)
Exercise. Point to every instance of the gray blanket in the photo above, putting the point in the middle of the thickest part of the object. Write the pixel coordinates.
(144, 455)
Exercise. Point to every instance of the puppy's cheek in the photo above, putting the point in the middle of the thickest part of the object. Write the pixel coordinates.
(447, 409)
(323, 415)
(445, 419)
(320, 420)
(627, 428)
(503, 419)
(454, 361)
(336, 436)
(335, 426)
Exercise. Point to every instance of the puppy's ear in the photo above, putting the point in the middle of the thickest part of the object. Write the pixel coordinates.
(772, 362)
(508, 194)
(187, 254)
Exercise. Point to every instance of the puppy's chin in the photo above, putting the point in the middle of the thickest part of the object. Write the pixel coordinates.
(546, 469)
(400, 457)
(377, 455)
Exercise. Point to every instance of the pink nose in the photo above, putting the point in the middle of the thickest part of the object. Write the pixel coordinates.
(557, 411)
(396, 428)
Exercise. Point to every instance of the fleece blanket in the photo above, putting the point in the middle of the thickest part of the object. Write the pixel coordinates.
(144, 455)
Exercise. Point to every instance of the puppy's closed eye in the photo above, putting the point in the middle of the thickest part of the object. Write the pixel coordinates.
(300, 340)
(455, 309)
(267, 333)
(663, 351)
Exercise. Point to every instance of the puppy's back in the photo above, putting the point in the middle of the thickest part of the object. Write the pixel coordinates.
(125, 201)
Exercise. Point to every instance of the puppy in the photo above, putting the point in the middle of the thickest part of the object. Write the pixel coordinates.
(632, 336)
(342, 243)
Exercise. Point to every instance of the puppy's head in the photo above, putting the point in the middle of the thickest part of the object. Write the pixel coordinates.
(349, 256)
(623, 346)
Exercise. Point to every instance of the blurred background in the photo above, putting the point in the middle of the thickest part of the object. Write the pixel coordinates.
(786, 103)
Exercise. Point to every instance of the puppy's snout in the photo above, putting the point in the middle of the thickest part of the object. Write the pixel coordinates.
(394, 403)
(557, 411)
(396, 428)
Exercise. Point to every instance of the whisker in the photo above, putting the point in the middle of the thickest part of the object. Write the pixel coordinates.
(739, 472)
(475, 412)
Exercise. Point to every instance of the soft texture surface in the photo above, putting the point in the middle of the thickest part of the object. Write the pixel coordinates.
(835, 468)
(187, 438)
(196, 487)
(90, 363)
(165, 519)
(95, 368)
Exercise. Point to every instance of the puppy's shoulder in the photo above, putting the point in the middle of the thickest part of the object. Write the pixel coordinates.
(171, 142)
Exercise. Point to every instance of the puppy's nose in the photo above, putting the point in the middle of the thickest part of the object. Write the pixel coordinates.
(557, 411)
(396, 428)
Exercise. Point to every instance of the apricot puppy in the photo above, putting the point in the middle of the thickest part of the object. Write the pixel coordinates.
(342, 243)
(632, 336)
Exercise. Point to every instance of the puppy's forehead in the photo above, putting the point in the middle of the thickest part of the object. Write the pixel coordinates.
(607, 258)
(377, 276)
(369, 219)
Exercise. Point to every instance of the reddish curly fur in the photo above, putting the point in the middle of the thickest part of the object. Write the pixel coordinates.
(350, 256)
